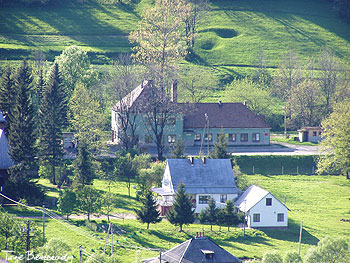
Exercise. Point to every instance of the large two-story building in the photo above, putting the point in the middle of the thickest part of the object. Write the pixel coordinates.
(199, 124)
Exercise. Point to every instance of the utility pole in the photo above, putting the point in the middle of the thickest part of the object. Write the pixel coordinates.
(44, 223)
(112, 239)
(207, 118)
(28, 237)
(80, 254)
(160, 256)
(301, 230)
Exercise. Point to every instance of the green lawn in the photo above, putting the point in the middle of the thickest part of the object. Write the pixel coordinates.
(319, 201)
(229, 38)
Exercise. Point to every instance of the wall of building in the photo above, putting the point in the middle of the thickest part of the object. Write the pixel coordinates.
(216, 197)
(268, 214)
(263, 136)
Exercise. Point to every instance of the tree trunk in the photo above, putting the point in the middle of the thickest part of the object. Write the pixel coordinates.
(180, 228)
(347, 175)
(147, 225)
(211, 227)
(89, 217)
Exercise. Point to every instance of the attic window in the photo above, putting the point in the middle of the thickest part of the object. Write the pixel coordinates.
(268, 201)
(209, 254)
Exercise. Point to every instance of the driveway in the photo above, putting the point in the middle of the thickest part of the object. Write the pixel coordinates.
(273, 149)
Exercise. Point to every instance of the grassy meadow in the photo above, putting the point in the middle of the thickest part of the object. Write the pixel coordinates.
(229, 38)
(320, 202)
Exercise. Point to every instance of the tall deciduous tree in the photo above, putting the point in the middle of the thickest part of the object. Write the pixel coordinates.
(86, 117)
(148, 213)
(198, 10)
(197, 83)
(67, 202)
(181, 212)
(52, 115)
(159, 36)
(335, 148)
(22, 135)
(90, 200)
(123, 77)
(73, 64)
(124, 169)
(306, 104)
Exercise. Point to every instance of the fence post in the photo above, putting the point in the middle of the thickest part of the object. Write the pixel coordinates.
(282, 170)
(297, 169)
(253, 170)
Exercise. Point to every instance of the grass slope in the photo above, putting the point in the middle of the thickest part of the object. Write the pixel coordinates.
(319, 201)
(230, 37)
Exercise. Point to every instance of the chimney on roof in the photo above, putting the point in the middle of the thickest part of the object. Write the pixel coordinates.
(204, 160)
(192, 160)
(220, 103)
(174, 91)
(245, 103)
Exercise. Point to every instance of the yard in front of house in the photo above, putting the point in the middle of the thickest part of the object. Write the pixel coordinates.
(319, 201)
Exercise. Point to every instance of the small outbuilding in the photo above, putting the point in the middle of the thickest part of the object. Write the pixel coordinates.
(310, 134)
(262, 209)
(195, 250)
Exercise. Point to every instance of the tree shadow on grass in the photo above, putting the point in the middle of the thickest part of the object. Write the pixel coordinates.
(291, 234)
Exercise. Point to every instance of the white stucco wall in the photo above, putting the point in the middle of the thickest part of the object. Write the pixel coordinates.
(268, 214)
(200, 207)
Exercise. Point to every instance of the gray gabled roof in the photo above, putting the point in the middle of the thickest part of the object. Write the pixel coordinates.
(5, 160)
(251, 197)
(193, 251)
(213, 177)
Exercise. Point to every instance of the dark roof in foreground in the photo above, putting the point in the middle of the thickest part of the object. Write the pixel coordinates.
(194, 251)
(223, 115)
(215, 176)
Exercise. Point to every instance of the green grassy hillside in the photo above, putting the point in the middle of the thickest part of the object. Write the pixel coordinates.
(230, 37)
(320, 202)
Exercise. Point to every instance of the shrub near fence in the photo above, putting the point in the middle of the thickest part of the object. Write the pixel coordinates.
(277, 164)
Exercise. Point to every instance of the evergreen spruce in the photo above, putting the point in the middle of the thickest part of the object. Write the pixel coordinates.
(7, 96)
(39, 89)
(178, 149)
(232, 218)
(148, 212)
(84, 171)
(209, 214)
(22, 128)
(181, 212)
(220, 148)
(52, 115)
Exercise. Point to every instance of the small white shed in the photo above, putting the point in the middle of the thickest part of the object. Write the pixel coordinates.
(262, 209)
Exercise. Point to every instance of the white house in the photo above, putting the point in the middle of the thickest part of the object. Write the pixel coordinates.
(262, 208)
(203, 179)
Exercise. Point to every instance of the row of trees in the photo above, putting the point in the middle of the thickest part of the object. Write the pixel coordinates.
(327, 250)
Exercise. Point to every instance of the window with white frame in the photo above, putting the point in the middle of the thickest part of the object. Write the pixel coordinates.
(203, 199)
(232, 137)
(256, 218)
(171, 121)
(197, 137)
(208, 137)
(268, 201)
(244, 137)
(280, 217)
(223, 198)
(256, 137)
(171, 138)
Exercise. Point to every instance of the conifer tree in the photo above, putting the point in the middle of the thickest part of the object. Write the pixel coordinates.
(209, 214)
(232, 218)
(84, 171)
(52, 115)
(22, 129)
(220, 148)
(7, 96)
(178, 149)
(181, 212)
(148, 212)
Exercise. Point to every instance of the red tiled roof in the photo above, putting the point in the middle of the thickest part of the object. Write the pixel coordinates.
(224, 115)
